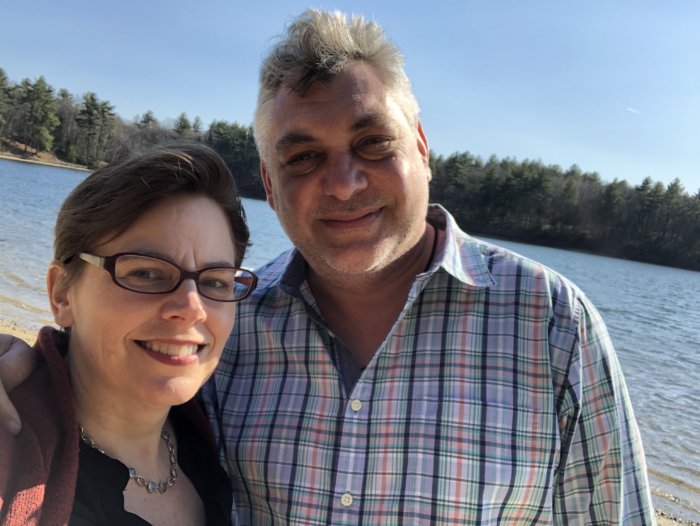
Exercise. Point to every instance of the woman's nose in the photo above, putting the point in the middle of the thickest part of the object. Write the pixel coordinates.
(185, 303)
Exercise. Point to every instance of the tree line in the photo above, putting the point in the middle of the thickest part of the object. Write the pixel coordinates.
(544, 204)
(520, 200)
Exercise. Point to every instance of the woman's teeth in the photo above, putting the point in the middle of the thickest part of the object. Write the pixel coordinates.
(171, 349)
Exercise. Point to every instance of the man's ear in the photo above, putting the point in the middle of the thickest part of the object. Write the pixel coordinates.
(267, 184)
(423, 147)
(59, 297)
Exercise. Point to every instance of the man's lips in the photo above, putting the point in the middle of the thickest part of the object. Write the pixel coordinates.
(352, 219)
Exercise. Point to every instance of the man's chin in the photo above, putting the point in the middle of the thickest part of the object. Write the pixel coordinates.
(352, 262)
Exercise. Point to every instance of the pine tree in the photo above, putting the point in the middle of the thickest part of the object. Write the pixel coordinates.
(183, 127)
(96, 121)
(4, 85)
(197, 125)
(37, 108)
(65, 136)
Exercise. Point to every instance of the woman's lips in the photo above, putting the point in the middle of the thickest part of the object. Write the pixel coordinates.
(172, 353)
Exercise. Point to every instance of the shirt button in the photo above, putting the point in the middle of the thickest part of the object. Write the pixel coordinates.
(346, 500)
(356, 405)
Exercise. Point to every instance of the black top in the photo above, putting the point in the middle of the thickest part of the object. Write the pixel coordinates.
(99, 498)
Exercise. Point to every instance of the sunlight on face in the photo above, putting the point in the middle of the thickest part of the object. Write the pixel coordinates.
(154, 350)
(348, 175)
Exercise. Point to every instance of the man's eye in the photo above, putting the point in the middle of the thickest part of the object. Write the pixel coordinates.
(302, 163)
(374, 148)
(302, 157)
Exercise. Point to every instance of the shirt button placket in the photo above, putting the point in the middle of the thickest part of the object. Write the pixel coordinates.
(350, 478)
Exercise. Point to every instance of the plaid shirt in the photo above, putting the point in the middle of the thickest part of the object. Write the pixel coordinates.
(496, 398)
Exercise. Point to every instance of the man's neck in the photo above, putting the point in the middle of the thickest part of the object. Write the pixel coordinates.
(362, 310)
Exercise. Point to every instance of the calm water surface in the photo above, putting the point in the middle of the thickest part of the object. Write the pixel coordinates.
(652, 313)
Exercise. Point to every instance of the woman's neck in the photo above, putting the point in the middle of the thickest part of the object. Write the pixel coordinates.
(124, 430)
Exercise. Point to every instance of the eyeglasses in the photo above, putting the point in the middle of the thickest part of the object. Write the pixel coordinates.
(151, 275)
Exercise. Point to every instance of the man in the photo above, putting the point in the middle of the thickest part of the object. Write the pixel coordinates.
(391, 369)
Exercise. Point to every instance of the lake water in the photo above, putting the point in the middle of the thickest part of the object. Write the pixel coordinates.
(652, 312)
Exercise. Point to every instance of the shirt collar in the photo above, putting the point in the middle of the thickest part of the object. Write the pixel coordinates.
(458, 253)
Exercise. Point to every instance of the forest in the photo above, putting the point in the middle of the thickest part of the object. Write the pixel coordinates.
(526, 200)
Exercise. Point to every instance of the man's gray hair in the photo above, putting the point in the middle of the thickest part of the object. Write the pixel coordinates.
(318, 45)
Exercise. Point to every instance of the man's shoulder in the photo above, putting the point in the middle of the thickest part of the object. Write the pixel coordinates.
(270, 273)
(271, 300)
(513, 272)
(271, 277)
(500, 261)
(484, 263)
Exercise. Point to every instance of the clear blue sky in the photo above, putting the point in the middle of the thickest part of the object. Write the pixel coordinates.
(611, 86)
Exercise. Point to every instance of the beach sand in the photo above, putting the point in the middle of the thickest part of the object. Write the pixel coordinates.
(30, 336)
(13, 329)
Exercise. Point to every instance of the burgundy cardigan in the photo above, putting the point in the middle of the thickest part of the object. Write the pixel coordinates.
(39, 467)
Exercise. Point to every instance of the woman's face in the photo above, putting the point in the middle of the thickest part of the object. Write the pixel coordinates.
(156, 349)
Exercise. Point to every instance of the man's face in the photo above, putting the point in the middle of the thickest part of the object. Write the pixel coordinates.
(347, 174)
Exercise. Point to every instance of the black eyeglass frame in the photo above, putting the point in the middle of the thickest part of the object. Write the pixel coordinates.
(109, 264)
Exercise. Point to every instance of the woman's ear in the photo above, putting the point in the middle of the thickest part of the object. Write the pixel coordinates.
(58, 288)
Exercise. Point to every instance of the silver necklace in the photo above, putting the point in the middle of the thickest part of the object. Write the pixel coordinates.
(150, 485)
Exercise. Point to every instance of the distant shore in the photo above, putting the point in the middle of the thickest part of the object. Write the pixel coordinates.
(46, 161)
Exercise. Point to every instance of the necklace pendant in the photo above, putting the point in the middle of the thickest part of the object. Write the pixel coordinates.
(151, 487)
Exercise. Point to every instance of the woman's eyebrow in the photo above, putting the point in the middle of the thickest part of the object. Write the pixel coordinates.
(166, 257)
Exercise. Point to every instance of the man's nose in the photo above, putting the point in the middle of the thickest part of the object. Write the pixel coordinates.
(345, 176)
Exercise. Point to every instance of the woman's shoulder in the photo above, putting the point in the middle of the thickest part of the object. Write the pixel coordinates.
(44, 456)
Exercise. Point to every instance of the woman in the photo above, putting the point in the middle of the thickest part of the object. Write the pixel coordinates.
(144, 284)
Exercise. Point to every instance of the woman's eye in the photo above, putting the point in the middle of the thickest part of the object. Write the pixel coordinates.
(145, 274)
(212, 283)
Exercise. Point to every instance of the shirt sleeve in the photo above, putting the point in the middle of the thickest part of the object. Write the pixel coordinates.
(602, 475)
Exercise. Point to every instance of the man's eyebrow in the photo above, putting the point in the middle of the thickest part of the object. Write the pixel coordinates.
(292, 139)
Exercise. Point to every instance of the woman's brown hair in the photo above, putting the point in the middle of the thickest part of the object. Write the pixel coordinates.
(112, 198)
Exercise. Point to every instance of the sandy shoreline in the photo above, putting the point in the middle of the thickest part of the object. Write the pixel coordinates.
(30, 336)
(46, 162)
(13, 329)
